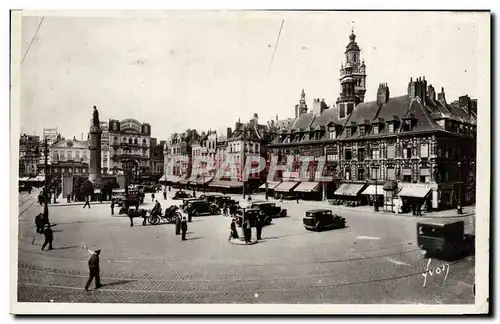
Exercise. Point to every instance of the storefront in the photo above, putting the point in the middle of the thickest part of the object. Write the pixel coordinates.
(415, 197)
(226, 186)
(285, 187)
(391, 199)
(309, 190)
(374, 193)
(349, 194)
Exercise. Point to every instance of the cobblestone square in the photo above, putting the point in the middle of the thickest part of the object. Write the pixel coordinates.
(374, 259)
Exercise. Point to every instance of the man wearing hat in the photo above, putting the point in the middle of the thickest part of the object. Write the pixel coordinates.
(94, 269)
(49, 236)
(184, 228)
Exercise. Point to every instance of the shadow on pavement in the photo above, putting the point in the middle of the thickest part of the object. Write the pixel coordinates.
(281, 236)
(116, 283)
(193, 238)
(67, 247)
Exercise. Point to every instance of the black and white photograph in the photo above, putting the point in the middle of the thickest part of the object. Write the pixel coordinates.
(250, 161)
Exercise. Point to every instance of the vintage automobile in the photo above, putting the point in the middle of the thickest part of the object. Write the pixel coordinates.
(201, 207)
(211, 197)
(181, 195)
(250, 214)
(322, 219)
(269, 209)
(186, 201)
(444, 239)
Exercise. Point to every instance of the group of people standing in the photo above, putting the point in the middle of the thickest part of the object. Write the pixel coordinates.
(246, 228)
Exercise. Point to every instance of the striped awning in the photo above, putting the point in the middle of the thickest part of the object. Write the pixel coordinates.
(204, 180)
(226, 184)
(286, 186)
(374, 190)
(414, 191)
(270, 185)
(307, 187)
(349, 189)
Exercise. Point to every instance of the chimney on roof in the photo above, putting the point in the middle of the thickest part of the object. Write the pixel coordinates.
(418, 88)
(229, 132)
(442, 97)
(464, 103)
(431, 92)
(382, 94)
(319, 106)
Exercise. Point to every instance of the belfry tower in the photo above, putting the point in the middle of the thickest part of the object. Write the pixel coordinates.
(95, 148)
(352, 79)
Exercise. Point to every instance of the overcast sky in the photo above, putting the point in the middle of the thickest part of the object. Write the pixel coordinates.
(207, 69)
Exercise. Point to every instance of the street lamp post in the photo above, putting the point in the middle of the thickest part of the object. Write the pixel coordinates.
(459, 204)
(46, 190)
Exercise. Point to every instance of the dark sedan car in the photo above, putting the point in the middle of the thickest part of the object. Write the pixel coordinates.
(202, 207)
(322, 219)
(269, 209)
(181, 195)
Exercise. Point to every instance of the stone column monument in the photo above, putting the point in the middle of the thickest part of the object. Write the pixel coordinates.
(95, 148)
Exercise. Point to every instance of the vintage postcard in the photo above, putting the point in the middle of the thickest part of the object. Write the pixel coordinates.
(261, 162)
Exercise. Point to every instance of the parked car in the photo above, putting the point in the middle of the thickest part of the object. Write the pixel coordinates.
(186, 201)
(202, 207)
(269, 209)
(444, 239)
(211, 197)
(181, 195)
(322, 219)
(250, 214)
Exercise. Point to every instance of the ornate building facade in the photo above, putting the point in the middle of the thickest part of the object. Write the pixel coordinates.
(416, 141)
(129, 139)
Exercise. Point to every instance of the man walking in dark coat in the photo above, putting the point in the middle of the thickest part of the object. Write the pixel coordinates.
(94, 269)
(177, 225)
(68, 198)
(258, 226)
(112, 206)
(49, 236)
(87, 202)
(247, 230)
(184, 228)
(39, 223)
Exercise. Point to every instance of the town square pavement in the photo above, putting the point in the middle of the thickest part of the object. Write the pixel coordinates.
(374, 259)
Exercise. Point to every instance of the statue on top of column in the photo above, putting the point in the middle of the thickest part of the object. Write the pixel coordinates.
(95, 119)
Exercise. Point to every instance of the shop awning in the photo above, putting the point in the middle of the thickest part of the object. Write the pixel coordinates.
(204, 180)
(390, 185)
(38, 178)
(373, 190)
(226, 184)
(307, 187)
(349, 189)
(184, 181)
(162, 178)
(173, 179)
(286, 186)
(270, 185)
(414, 191)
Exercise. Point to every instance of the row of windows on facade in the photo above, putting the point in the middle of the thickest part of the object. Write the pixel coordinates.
(249, 147)
(365, 129)
(129, 141)
(69, 170)
(390, 174)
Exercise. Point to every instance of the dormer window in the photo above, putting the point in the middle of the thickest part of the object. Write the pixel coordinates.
(348, 131)
(375, 129)
(332, 133)
(362, 131)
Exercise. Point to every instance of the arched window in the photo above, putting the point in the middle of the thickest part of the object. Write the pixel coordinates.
(135, 141)
(130, 140)
(355, 57)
